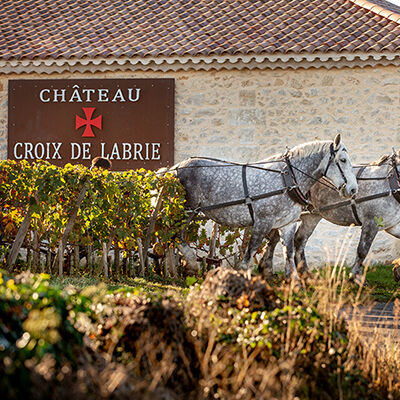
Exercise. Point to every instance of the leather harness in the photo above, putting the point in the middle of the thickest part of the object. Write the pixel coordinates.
(291, 187)
(394, 179)
(394, 183)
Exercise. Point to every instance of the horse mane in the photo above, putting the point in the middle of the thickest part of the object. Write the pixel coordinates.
(383, 159)
(305, 149)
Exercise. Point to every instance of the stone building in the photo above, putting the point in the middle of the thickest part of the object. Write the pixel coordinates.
(251, 76)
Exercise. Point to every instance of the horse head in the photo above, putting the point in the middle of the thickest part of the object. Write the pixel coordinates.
(337, 168)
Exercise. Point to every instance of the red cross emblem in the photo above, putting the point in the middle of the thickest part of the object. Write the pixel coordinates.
(88, 122)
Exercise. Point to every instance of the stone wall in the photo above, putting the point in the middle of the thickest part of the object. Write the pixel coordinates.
(249, 114)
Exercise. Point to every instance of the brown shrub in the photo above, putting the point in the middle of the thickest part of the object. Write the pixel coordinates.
(229, 370)
(149, 336)
(93, 377)
(231, 288)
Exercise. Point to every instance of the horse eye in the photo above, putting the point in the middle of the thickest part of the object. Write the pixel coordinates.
(343, 160)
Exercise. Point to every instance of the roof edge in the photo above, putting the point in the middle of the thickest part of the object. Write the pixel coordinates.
(240, 61)
(383, 12)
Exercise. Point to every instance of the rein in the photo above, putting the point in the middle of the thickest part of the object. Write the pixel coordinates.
(291, 186)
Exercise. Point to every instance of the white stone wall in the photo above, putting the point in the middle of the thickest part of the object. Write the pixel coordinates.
(250, 114)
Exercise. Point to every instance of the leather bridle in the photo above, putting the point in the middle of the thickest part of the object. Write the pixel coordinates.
(332, 157)
(290, 181)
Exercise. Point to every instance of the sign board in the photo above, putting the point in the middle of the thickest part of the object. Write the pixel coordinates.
(130, 121)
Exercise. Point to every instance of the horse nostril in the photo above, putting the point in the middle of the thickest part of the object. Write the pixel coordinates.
(353, 191)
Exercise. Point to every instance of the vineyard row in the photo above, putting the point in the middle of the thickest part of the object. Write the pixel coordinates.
(75, 211)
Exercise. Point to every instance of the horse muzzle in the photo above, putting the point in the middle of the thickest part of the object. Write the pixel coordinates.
(348, 190)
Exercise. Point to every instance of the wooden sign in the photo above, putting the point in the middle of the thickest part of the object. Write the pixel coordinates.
(129, 121)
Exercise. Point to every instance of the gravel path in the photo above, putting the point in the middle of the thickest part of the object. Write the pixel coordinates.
(380, 319)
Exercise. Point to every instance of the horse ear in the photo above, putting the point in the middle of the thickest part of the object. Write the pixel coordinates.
(336, 141)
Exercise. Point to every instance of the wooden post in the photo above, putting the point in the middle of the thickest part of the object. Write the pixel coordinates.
(141, 256)
(166, 265)
(76, 257)
(109, 263)
(104, 258)
(213, 240)
(71, 221)
(60, 259)
(43, 266)
(152, 223)
(124, 264)
(68, 264)
(48, 260)
(36, 252)
(170, 262)
(23, 229)
(89, 259)
(117, 260)
(132, 262)
(203, 264)
(29, 255)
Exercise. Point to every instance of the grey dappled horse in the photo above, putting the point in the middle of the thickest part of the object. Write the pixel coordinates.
(374, 214)
(211, 184)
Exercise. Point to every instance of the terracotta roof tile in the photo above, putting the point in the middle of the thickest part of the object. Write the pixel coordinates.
(114, 28)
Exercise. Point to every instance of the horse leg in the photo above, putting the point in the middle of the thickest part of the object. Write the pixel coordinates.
(368, 233)
(265, 266)
(259, 232)
(287, 239)
(395, 231)
(305, 230)
(189, 255)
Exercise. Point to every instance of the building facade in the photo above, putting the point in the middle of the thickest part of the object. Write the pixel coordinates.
(294, 72)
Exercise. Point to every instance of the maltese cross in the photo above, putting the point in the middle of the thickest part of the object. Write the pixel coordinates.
(88, 122)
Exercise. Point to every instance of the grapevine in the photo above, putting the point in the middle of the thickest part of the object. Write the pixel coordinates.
(118, 212)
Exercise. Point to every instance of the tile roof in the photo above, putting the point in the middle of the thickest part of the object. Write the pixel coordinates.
(65, 29)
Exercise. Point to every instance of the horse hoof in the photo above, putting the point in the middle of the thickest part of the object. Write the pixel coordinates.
(296, 284)
(358, 280)
(305, 274)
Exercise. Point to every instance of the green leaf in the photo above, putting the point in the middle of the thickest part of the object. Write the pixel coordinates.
(190, 280)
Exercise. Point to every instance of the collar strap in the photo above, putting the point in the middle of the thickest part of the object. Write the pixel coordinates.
(292, 187)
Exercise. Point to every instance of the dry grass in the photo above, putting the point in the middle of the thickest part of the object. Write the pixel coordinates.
(319, 352)
(233, 337)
